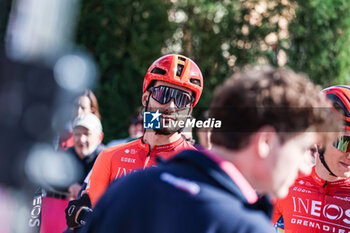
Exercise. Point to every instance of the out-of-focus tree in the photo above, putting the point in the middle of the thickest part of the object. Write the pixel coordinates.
(224, 36)
(221, 36)
(5, 6)
(320, 40)
(124, 37)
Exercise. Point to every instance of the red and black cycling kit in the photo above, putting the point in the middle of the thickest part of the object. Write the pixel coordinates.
(315, 205)
(119, 160)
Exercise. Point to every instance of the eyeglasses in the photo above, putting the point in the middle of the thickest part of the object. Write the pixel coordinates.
(342, 144)
(163, 94)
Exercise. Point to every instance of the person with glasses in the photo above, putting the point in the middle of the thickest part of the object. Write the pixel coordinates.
(320, 202)
(261, 146)
(171, 89)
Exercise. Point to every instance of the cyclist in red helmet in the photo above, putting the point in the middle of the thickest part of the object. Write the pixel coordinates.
(320, 202)
(172, 87)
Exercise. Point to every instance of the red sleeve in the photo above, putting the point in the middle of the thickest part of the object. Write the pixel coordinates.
(99, 178)
(277, 211)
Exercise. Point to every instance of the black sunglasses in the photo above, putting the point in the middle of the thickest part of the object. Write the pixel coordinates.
(342, 143)
(163, 94)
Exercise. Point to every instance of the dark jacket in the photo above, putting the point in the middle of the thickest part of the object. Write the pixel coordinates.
(85, 164)
(190, 193)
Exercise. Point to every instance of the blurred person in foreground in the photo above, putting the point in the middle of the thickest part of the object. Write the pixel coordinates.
(87, 135)
(172, 87)
(320, 202)
(257, 147)
(135, 129)
(203, 135)
(85, 103)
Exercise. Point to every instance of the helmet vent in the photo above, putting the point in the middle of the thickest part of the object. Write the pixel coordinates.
(179, 70)
(157, 70)
(182, 58)
(195, 81)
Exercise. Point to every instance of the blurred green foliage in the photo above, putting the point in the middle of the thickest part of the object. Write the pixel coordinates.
(5, 6)
(320, 41)
(124, 37)
(221, 36)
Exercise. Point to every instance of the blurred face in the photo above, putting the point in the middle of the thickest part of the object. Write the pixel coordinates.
(170, 112)
(286, 161)
(337, 161)
(85, 141)
(204, 138)
(82, 106)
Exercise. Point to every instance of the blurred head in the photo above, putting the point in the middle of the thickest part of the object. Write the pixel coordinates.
(204, 134)
(135, 124)
(173, 85)
(170, 112)
(266, 112)
(335, 157)
(87, 134)
(178, 70)
(86, 103)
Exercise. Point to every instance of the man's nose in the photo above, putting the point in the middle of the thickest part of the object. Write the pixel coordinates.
(348, 155)
(80, 111)
(82, 138)
(171, 104)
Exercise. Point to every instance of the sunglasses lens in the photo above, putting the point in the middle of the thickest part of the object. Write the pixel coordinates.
(183, 100)
(164, 94)
(342, 144)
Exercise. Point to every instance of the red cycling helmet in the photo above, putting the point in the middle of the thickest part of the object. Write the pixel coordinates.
(340, 97)
(178, 70)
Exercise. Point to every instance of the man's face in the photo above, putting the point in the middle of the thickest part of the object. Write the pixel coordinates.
(170, 112)
(337, 161)
(85, 140)
(287, 160)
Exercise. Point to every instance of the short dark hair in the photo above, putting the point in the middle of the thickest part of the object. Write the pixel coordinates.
(267, 96)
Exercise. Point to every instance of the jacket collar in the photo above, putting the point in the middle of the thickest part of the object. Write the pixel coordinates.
(211, 168)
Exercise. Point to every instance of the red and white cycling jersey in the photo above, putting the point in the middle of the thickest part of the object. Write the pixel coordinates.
(314, 205)
(117, 161)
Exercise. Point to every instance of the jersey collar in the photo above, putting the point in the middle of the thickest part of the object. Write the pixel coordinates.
(161, 148)
(321, 181)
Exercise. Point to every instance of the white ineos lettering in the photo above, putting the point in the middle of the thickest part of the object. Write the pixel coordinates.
(122, 172)
(347, 213)
(34, 220)
(301, 203)
(316, 206)
(336, 208)
(332, 212)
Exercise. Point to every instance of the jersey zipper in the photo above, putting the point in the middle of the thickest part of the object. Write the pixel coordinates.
(148, 157)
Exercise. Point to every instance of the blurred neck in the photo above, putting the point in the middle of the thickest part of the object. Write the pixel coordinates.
(153, 139)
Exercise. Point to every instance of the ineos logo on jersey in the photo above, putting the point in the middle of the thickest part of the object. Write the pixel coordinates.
(122, 172)
(328, 208)
(315, 208)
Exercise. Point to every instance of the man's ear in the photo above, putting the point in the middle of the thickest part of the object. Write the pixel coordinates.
(264, 141)
(101, 136)
(145, 98)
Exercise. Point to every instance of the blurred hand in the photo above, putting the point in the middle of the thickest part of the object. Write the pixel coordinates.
(74, 190)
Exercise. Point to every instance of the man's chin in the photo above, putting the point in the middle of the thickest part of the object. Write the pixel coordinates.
(165, 131)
